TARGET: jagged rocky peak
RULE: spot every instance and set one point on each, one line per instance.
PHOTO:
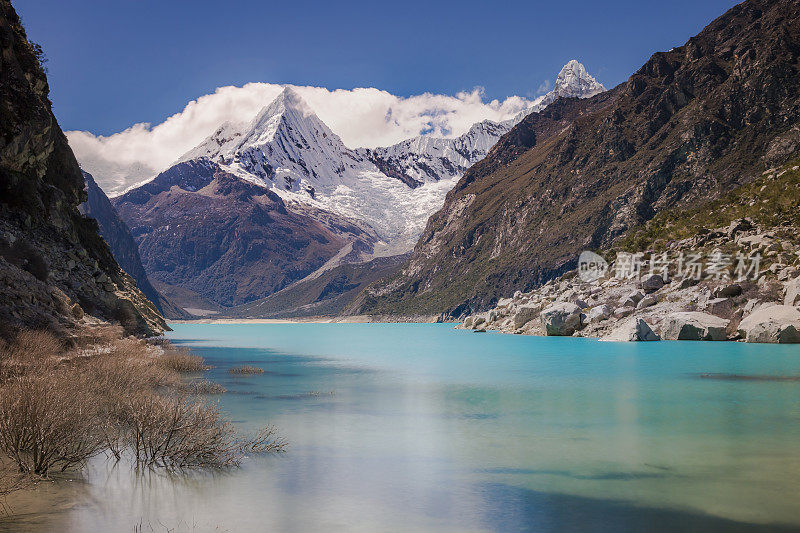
(575, 82)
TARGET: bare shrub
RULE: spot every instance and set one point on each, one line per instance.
(182, 361)
(181, 432)
(203, 386)
(246, 369)
(58, 408)
(48, 421)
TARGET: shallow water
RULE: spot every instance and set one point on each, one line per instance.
(415, 427)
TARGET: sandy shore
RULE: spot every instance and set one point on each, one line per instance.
(358, 319)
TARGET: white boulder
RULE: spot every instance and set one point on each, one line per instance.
(561, 319)
(525, 313)
(598, 313)
(694, 326)
(632, 330)
(792, 298)
(772, 324)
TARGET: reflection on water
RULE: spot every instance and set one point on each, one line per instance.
(420, 427)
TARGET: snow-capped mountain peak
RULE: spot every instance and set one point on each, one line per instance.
(575, 82)
(285, 146)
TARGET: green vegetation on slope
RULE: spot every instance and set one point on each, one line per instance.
(771, 201)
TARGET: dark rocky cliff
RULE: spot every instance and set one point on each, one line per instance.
(690, 125)
(53, 264)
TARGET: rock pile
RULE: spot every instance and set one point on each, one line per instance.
(763, 308)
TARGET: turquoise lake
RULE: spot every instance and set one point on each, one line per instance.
(420, 427)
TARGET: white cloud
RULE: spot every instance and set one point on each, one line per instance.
(544, 87)
(362, 117)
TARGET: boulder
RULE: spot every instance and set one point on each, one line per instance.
(648, 301)
(525, 313)
(632, 330)
(694, 326)
(77, 311)
(792, 298)
(561, 319)
(787, 274)
(722, 307)
(631, 300)
(468, 322)
(738, 226)
(622, 312)
(652, 283)
(580, 303)
(728, 291)
(598, 313)
(685, 283)
(772, 324)
(505, 302)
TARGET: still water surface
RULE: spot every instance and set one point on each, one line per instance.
(419, 427)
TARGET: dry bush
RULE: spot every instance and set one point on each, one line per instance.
(59, 408)
(246, 369)
(181, 432)
(48, 421)
(203, 386)
(182, 361)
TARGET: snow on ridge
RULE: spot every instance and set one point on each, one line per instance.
(394, 189)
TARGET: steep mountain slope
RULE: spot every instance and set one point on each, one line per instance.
(227, 239)
(116, 233)
(689, 125)
(53, 264)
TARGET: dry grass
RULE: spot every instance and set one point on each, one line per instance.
(182, 361)
(246, 369)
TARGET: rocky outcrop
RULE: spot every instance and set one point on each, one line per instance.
(632, 330)
(694, 326)
(711, 308)
(55, 270)
(772, 324)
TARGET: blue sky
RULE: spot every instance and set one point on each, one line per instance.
(115, 63)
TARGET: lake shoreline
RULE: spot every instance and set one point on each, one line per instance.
(355, 319)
